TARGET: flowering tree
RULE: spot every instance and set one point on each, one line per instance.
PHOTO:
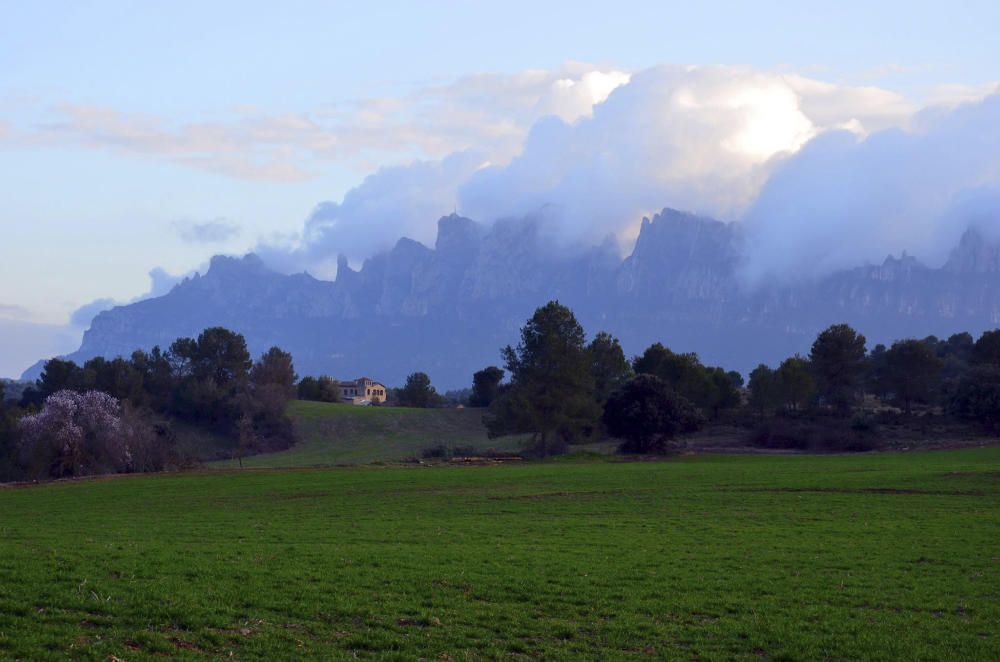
(77, 434)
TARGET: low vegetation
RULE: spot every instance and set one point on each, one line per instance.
(851, 557)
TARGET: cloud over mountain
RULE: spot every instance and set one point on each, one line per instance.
(843, 200)
(706, 139)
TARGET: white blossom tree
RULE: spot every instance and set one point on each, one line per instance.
(78, 434)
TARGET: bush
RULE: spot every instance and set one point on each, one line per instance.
(646, 414)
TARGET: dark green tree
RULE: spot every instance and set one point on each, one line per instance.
(275, 368)
(308, 389)
(608, 365)
(986, 351)
(977, 397)
(724, 393)
(736, 379)
(212, 374)
(551, 393)
(118, 378)
(57, 375)
(764, 391)
(158, 378)
(875, 375)
(794, 382)
(646, 414)
(684, 373)
(913, 372)
(418, 392)
(324, 389)
(8, 441)
(838, 360)
(218, 354)
(485, 386)
(328, 389)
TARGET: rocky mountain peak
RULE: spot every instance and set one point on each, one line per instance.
(457, 235)
(229, 266)
(975, 254)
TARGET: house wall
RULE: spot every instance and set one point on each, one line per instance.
(362, 389)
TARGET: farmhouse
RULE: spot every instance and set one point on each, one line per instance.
(362, 391)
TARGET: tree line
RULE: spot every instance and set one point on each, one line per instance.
(555, 388)
(563, 390)
(120, 415)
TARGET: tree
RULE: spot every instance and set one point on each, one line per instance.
(736, 379)
(218, 354)
(275, 368)
(211, 372)
(794, 382)
(684, 373)
(247, 438)
(58, 375)
(324, 389)
(418, 392)
(485, 386)
(912, 371)
(551, 393)
(978, 396)
(647, 414)
(328, 389)
(308, 389)
(876, 368)
(608, 365)
(986, 351)
(118, 378)
(724, 393)
(158, 378)
(838, 360)
(76, 434)
(8, 439)
(764, 392)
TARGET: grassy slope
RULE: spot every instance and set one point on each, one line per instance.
(347, 434)
(883, 556)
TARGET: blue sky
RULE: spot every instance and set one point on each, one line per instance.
(138, 135)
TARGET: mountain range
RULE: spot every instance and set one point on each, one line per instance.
(447, 309)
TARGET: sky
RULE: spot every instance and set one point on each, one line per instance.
(142, 137)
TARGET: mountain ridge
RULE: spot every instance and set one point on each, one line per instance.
(447, 309)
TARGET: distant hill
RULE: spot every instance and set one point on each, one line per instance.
(448, 309)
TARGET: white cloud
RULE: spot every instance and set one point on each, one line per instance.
(489, 112)
(705, 139)
(844, 200)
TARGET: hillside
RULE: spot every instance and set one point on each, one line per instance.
(344, 434)
(861, 557)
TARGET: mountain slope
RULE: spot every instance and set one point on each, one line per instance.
(447, 310)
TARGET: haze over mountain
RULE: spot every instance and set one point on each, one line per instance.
(447, 309)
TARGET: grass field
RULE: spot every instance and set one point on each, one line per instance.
(879, 556)
(345, 434)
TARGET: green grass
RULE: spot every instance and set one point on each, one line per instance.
(347, 434)
(879, 556)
